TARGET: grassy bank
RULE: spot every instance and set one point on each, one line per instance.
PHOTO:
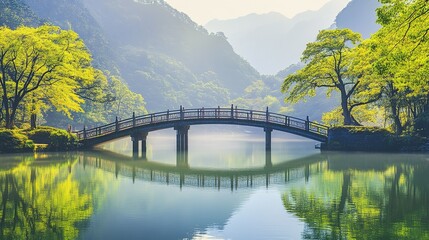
(39, 139)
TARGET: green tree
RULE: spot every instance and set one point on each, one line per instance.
(395, 59)
(44, 60)
(328, 60)
(124, 101)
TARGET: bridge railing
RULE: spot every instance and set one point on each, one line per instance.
(204, 113)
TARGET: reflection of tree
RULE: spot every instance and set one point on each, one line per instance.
(349, 204)
(45, 202)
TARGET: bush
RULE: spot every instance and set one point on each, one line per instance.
(13, 141)
(358, 138)
(407, 143)
(62, 140)
(361, 129)
(55, 139)
(40, 135)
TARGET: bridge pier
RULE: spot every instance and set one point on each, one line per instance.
(268, 138)
(136, 137)
(268, 147)
(182, 145)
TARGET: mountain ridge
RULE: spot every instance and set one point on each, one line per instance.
(275, 40)
(160, 52)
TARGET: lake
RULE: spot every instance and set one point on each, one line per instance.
(226, 189)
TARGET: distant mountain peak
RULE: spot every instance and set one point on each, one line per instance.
(359, 16)
(271, 41)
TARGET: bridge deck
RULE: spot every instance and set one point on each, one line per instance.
(234, 116)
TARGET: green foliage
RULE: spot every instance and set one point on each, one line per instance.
(384, 81)
(395, 60)
(208, 94)
(42, 138)
(57, 139)
(328, 60)
(13, 141)
(362, 130)
(41, 135)
(44, 64)
(62, 140)
(125, 101)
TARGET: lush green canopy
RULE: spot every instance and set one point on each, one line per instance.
(46, 62)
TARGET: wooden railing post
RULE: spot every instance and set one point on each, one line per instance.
(181, 112)
(307, 124)
(203, 111)
(168, 114)
(117, 124)
(236, 112)
(84, 132)
(218, 111)
(267, 115)
(251, 115)
(134, 119)
(232, 110)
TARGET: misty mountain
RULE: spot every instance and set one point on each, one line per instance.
(14, 13)
(157, 50)
(359, 16)
(272, 41)
(167, 57)
(73, 15)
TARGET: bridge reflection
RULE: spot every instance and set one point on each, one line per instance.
(183, 175)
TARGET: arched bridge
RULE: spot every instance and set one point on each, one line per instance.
(138, 126)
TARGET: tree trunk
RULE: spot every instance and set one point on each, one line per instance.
(346, 112)
(396, 119)
(33, 120)
(9, 123)
(7, 112)
(10, 118)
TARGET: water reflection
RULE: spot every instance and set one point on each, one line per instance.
(42, 198)
(182, 174)
(366, 196)
(101, 195)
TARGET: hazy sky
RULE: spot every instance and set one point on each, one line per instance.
(202, 11)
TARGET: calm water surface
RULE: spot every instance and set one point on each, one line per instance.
(226, 190)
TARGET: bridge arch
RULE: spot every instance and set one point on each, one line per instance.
(138, 126)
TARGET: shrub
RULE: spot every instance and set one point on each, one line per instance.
(13, 141)
(40, 135)
(49, 138)
(358, 138)
(62, 140)
(361, 129)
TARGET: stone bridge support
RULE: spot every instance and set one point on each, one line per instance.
(182, 145)
(268, 147)
(136, 137)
